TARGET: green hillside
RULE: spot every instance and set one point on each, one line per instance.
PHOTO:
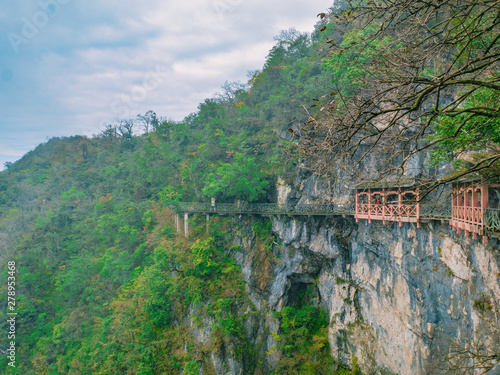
(105, 285)
(102, 281)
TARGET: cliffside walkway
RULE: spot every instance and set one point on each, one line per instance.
(471, 209)
(265, 209)
(384, 211)
(427, 211)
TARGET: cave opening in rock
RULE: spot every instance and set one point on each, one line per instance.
(300, 294)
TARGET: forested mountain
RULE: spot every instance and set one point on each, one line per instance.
(105, 285)
(82, 217)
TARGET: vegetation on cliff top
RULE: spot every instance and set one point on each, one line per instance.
(411, 76)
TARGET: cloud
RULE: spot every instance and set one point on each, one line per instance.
(93, 61)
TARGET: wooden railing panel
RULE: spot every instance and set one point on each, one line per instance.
(390, 210)
(469, 215)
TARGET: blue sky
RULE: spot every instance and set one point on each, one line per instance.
(68, 67)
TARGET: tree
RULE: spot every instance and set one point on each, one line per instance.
(126, 128)
(149, 121)
(165, 128)
(110, 132)
(241, 179)
(410, 76)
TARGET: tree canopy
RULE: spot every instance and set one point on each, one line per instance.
(104, 283)
(410, 76)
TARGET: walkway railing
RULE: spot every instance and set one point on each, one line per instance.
(469, 215)
(264, 208)
(492, 219)
(435, 211)
(464, 216)
(389, 210)
(428, 211)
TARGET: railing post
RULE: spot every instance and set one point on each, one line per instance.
(384, 204)
(468, 220)
(400, 206)
(418, 208)
(475, 209)
(484, 205)
(186, 224)
(369, 205)
(177, 223)
(356, 209)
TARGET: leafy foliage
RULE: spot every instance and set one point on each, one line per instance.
(464, 134)
(105, 285)
(412, 77)
(302, 340)
(241, 179)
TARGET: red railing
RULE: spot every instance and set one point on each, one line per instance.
(363, 209)
(387, 210)
(469, 215)
(469, 199)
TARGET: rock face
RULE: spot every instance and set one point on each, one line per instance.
(395, 296)
(406, 284)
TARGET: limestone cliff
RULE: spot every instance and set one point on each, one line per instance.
(398, 298)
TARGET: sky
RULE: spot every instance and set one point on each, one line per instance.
(69, 67)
